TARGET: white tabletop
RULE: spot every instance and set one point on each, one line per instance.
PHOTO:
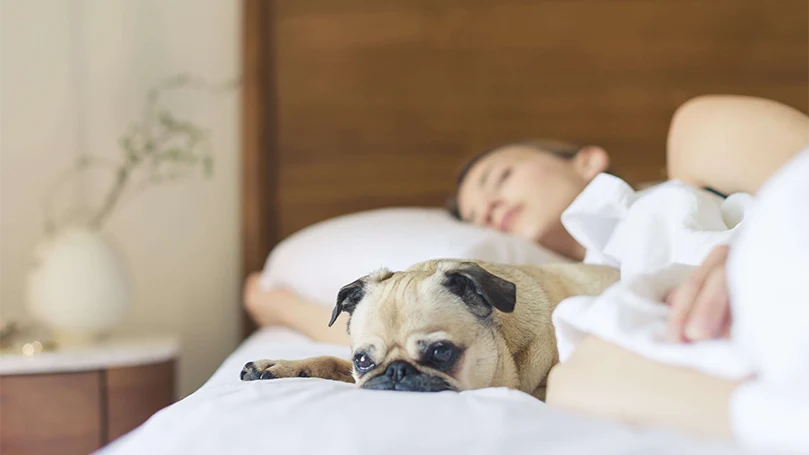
(113, 353)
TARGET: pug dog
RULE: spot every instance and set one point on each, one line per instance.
(449, 325)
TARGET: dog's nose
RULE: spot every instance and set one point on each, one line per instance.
(399, 369)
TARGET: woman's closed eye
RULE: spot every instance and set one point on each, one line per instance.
(503, 177)
(485, 213)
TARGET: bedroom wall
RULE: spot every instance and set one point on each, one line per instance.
(182, 240)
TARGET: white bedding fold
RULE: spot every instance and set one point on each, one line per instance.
(766, 276)
(656, 237)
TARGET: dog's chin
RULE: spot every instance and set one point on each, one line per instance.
(414, 383)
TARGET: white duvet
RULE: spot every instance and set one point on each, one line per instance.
(307, 415)
(657, 237)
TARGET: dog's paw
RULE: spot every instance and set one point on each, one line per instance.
(253, 371)
(273, 369)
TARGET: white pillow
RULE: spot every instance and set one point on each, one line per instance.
(318, 260)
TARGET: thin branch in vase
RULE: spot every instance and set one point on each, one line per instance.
(155, 179)
(83, 163)
(153, 143)
(77, 215)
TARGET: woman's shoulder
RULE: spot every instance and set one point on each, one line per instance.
(733, 143)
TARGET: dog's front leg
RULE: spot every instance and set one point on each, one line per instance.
(323, 367)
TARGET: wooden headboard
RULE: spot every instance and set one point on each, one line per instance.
(358, 104)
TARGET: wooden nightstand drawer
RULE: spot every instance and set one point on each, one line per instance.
(135, 393)
(67, 413)
(50, 414)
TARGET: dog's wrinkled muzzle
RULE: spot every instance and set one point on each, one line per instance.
(402, 376)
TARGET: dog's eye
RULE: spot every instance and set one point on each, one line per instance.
(362, 362)
(441, 353)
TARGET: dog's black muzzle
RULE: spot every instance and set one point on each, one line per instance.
(402, 376)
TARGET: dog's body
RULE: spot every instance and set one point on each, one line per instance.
(449, 325)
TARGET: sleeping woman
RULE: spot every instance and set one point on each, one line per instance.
(725, 144)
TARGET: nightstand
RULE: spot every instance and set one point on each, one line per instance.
(77, 399)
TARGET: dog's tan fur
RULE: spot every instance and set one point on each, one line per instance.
(316, 367)
(402, 312)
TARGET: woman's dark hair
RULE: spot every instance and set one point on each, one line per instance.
(555, 147)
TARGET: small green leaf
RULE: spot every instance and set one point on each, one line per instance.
(165, 118)
(130, 153)
(125, 142)
(207, 163)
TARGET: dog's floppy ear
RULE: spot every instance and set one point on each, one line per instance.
(348, 298)
(351, 294)
(480, 290)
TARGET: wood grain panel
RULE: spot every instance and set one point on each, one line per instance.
(379, 102)
(34, 419)
(135, 393)
(259, 227)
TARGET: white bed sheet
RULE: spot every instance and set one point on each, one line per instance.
(307, 415)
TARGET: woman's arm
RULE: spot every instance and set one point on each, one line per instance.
(285, 308)
(733, 143)
(607, 381)
(730, 144)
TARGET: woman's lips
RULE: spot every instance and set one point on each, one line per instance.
(509, 218)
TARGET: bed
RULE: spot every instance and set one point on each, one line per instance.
(354, 105)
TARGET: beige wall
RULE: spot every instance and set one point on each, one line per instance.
(181, 241)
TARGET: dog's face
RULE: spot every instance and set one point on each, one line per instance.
(426, 331)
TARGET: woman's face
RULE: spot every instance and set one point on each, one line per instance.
(523, 191)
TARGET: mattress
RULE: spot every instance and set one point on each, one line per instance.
(309, 415)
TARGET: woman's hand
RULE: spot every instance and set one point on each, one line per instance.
(700, 307)
(262, 304)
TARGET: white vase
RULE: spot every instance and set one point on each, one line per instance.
(78, 285)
